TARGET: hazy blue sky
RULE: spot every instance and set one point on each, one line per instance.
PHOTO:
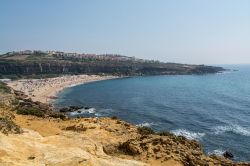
(186, 31)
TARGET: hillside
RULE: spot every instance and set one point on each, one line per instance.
(26, 63)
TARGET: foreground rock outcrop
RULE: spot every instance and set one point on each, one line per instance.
(64, 148)
(97, 141)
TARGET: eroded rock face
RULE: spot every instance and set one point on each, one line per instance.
(164, 148)
(57, 66)
(31, 148)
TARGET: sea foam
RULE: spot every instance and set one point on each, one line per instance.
(145, 124)
(217, 152)
(188, 134)
(231, 128)
(83, 111)
(90, 110)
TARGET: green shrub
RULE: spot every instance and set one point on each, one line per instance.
(58, 115)
(145, 130)
(8, 126)
(165, 133)
(15, 102)
(4, 88)
(30, 111)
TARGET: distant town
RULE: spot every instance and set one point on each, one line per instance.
(60, 54)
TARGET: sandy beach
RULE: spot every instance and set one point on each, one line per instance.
(45, 90)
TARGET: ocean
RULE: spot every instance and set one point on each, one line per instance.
(213, 109)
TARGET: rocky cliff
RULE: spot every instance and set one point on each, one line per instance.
(50, 64)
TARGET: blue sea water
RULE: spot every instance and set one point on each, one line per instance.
(213, 109)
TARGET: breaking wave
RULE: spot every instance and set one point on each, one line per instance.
(90, 110)
(145, 124)
(83, 111)
(232, 128)
(188, 134)
(217, 152)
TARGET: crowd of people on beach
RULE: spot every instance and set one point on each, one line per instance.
(36, 84)
(48, 87)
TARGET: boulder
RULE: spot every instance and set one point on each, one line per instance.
(75, 107)
(64, 109)
(228, 155)
(70, 109)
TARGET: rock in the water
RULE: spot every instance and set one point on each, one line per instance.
(228, 155)
(65, 109)
(75, 107)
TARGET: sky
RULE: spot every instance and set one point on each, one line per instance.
(182, 31)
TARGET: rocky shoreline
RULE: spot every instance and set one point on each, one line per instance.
(88, 141)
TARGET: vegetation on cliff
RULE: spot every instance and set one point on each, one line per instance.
(16, 65)
(4, 88)
(7, 101)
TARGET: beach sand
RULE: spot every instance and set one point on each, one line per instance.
(45, 90)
